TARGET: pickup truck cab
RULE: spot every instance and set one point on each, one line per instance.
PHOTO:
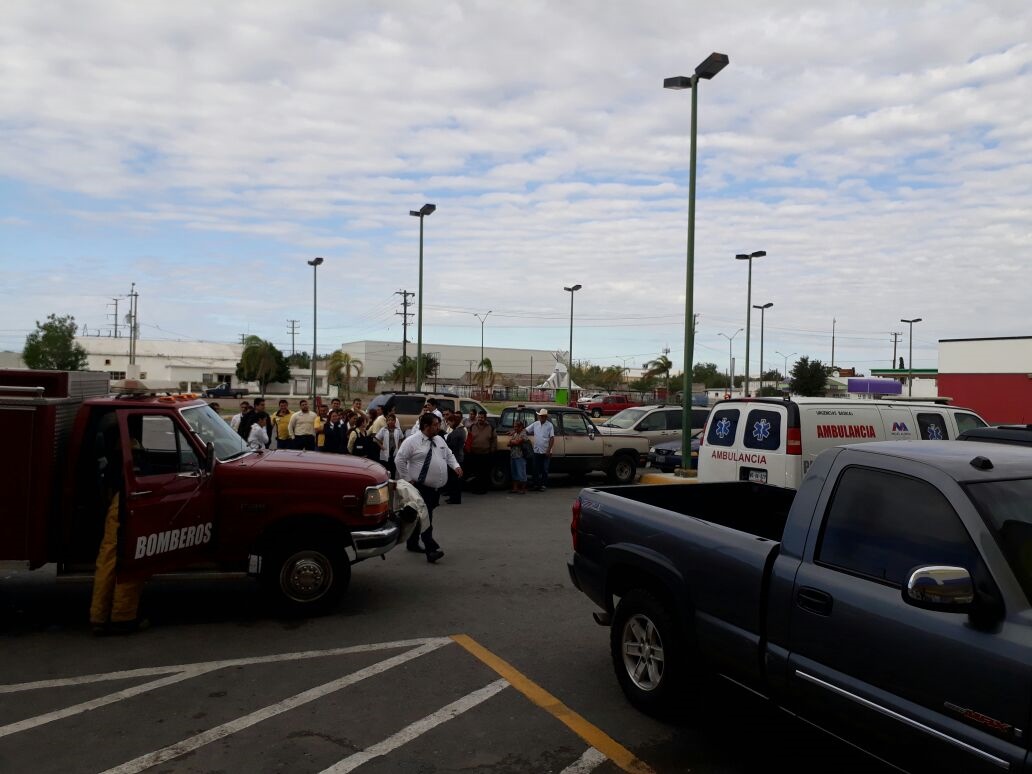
(225, 390)
(579, 446)
(196, 498)
(608, 405)
(888, 601)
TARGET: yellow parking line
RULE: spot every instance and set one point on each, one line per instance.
(591, 734)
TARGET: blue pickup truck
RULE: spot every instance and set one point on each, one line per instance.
(886, 601)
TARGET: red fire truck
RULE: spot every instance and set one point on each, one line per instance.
(197, 498)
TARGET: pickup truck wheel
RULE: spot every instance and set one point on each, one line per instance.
(622, 470)
(307, 580)
(596, 413)
(499, 475)
(647, 652)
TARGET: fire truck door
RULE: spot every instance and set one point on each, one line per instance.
(168, 513)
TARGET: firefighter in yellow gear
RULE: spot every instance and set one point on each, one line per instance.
(116, 601)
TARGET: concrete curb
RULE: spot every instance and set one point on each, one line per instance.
(665, 478)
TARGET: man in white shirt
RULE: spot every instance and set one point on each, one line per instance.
(389, 438)
(302, 428)
(423, 460)
(543, 433)
(234, 422)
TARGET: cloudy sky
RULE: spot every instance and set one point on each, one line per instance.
(881, 153)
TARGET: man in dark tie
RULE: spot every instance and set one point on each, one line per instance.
(424, 460)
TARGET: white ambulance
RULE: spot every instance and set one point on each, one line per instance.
(774, 440)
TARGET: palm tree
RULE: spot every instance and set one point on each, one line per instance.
(661, 365)
(485, 375)
(339, 370)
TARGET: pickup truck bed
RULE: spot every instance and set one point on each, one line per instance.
(888, 600)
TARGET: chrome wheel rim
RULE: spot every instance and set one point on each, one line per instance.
(624, 471)
(642, 649)
(306, 576)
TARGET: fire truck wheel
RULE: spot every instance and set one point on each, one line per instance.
(306, 579)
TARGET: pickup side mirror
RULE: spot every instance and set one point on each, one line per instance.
(937, 587)
(209, 457)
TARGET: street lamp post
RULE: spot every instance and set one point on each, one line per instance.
(569, 372)
(910, 356)
(784, 373)
(315, 263)
(763, 309)
(482, 321)
(421, 213)
(730, 361)
(709, 67)
(748, 313)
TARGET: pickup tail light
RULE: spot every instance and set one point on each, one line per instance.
(794, 441)
(377, 503)
(575, 521)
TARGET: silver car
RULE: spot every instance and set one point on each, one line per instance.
(657, 423)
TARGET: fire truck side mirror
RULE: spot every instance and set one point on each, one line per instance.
(209, 457)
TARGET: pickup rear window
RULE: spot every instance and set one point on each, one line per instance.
(881, 525)
(723, 427)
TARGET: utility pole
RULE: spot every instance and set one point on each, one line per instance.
(895, 340)
(115, 315)
(243, 338)
(134, 324)
(293, 333)
(405, 315)
(833, 321)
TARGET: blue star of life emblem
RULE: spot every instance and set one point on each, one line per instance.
(934, 433)
(761, 430)
(723, 428)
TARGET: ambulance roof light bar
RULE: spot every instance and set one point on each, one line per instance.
(137, 387)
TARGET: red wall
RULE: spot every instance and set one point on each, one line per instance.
(997, 398)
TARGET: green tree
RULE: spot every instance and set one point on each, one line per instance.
(52, 346)
(809, 377)
(611, 377)
(485, 375)
(646, 383)
(262, 362)
(709, 375)
(404, 368)
(299, 360)
(660, 367)
(340, 368)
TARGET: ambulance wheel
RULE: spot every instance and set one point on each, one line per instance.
(307, 577)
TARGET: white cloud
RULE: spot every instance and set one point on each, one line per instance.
(877, 154)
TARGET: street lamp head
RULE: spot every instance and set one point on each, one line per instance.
(767, 305)
(677, 83)
(711, 65)
(575, 287)
(748, 256)
(316, 262)
(915, 320)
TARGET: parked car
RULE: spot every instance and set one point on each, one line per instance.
(666, 456)
(579, 446)
(608, 405)
(225, 390)
(409, 405)
(886, 601)
(590, 397)
(657, 423)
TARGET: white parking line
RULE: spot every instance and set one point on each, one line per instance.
(209, 665)
(86, 706)
(420, 727)
(239, 724)
(589, 761)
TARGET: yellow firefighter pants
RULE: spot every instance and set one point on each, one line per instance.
(113, 600)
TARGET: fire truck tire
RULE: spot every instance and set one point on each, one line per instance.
(307, 577)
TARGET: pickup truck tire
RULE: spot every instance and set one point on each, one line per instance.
(305, 579)
(648, 652)
(622, 469)
(596, 413)
(500, 475)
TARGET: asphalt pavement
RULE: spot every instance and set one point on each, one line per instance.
(488, 661)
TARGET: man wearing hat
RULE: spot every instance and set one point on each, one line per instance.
(543, 433)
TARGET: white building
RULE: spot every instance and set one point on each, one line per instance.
(194, 362)
(379, 357)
